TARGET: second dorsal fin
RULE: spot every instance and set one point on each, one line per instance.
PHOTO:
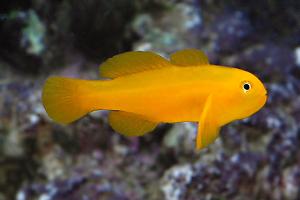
(132, 62)
(188, 57)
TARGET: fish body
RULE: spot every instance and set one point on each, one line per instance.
(152, 90)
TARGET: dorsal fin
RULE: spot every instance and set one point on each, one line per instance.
(188, 57)
(132, 62)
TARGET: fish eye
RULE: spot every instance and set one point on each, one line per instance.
(246, 86)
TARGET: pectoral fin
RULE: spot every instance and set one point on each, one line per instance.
(208, 129)
(130, 124)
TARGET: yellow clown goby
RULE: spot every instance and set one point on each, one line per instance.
(144, 89)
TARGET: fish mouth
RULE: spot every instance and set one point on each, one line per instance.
(265, 98)
(262, 99)
(266, 93)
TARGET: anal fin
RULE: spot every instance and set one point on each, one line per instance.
(130, 124)
(208, 128)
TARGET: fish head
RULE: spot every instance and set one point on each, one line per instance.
(250, 95)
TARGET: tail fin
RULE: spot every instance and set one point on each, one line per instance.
(68, 99)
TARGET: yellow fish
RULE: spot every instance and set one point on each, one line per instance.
(144, 89)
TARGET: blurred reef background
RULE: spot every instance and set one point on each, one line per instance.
(256, 158)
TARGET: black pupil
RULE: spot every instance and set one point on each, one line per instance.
(246, 86)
